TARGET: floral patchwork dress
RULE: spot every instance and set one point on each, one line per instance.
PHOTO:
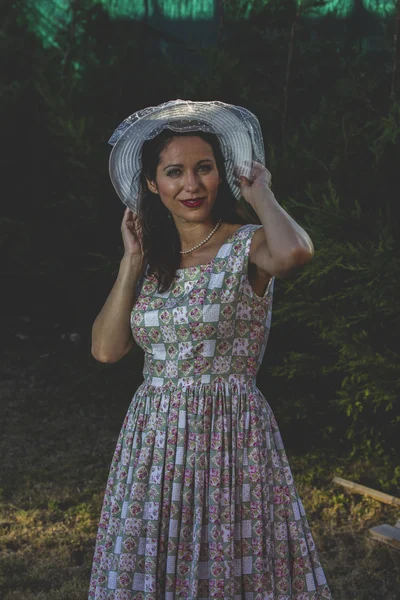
(200, 502)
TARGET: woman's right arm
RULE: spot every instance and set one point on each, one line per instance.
(111, 331)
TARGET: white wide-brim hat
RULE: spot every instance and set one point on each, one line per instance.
(236, 128)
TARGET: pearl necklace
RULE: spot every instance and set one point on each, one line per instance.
(204, 241)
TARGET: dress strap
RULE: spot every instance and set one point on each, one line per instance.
(249, 238)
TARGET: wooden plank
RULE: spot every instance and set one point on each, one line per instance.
(386, 534)
(366, 491)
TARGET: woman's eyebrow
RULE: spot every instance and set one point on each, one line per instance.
(180, 165)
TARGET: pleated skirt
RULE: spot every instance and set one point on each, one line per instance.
(200, 503)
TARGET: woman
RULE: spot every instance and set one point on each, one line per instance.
(200, 501)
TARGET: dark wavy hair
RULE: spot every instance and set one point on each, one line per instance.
(161, 242)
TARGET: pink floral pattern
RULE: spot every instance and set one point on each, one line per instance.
(200, 502)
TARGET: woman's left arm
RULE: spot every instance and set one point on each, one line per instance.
(281, 246)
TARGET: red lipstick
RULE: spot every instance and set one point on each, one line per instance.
(193, 203)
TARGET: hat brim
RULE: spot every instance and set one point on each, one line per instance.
(236, 128)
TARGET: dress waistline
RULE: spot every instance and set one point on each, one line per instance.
(232, 383)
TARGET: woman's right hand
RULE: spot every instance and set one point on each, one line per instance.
(131, 235)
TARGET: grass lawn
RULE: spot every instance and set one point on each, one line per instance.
(60, 415)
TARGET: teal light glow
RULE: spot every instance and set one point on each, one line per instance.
(335, 8)
(188, 9)
(138, 9)
(50, 18)
(47, 18)
(169, 9)
(381, 8)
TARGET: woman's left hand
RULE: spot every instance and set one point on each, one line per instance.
(255, 189)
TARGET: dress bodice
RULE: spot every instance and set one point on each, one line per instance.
(209, 326)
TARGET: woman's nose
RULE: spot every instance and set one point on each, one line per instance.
(191, 181)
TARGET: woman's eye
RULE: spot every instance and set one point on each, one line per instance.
(177, 172)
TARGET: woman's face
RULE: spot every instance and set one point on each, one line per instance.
(187, 171)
